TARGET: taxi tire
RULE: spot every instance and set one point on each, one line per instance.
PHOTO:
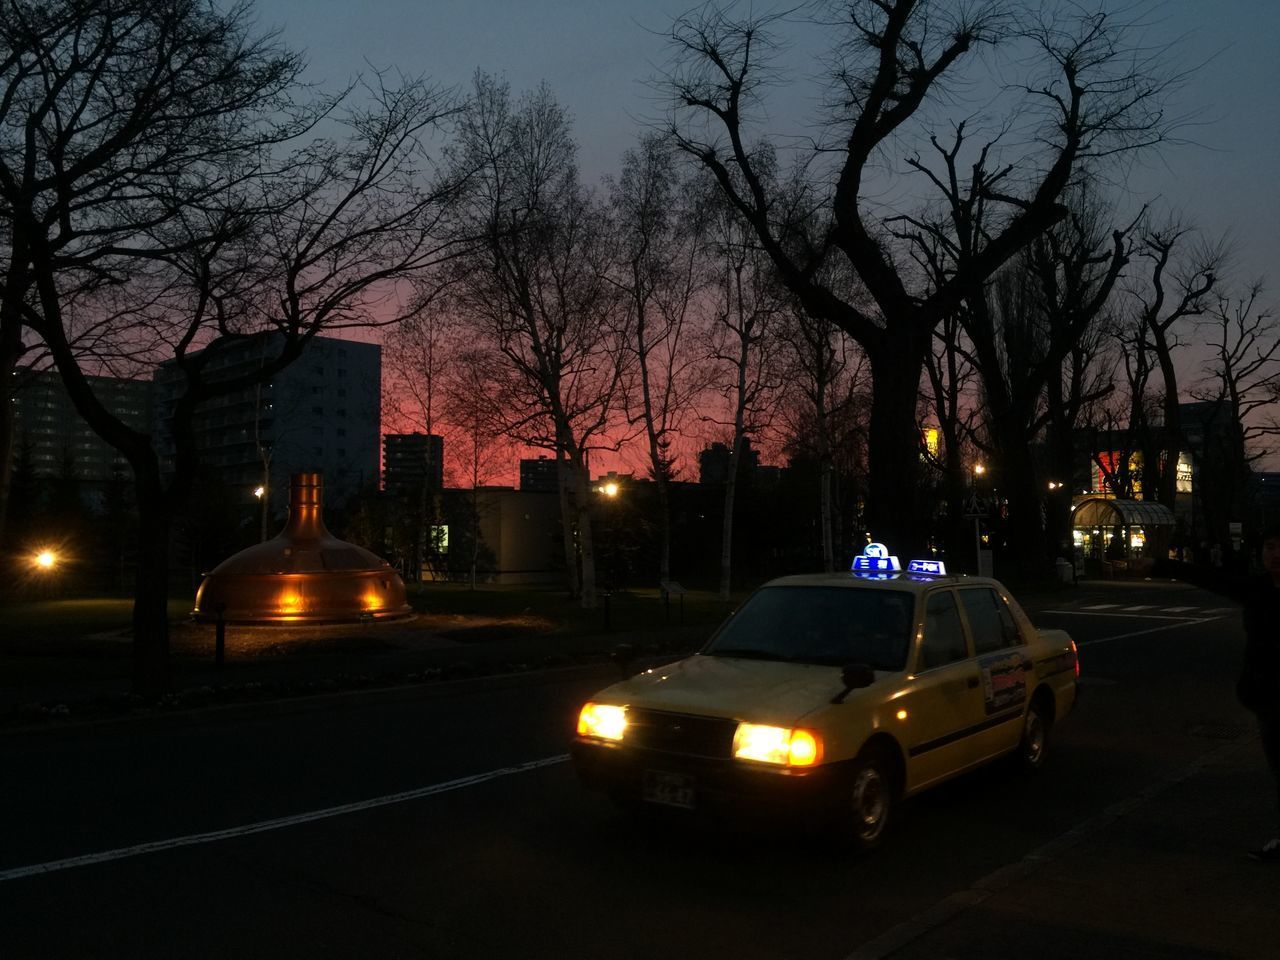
(1033, 746)
(869, 796)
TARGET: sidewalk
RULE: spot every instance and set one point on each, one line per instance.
(1163, 874)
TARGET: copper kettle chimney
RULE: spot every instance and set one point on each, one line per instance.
(304, 575)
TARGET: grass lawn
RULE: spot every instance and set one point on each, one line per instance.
(631, 610)
(69, 618)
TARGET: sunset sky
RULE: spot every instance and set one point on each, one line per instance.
(598, 54)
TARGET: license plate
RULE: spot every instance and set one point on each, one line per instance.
(669, 789)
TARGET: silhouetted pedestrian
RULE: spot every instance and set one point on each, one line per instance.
(1259, 685)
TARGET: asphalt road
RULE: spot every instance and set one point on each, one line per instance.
(496, 852)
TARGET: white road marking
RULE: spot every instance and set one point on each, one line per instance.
(1179, 609)
(1137, 616)
(1102, 606)
(1142, 606)
(262, 826)
(1139, 633)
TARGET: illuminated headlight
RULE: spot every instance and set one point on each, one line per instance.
(603, 721)
(780, 745)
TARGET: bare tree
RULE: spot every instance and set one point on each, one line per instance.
(1094, 90)
(418, 354)
(537, 289)
(467, 387)
(747, 308)
(824, 370)
(1174, 288)
(1242, 383)
(949, 402)
(154, 215)
(111, 112)
(659, 219)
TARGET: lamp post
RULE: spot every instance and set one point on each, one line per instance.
(610, 491)
(260, 492)
(978, 470)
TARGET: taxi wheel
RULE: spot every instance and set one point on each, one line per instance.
(870, 801)
(1035, 737)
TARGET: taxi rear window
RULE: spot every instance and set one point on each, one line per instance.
(822, 625)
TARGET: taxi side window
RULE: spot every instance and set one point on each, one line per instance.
(990, 620)
(943, 634)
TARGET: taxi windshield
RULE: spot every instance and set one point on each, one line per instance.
(822, 625)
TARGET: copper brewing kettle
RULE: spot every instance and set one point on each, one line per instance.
(304, 575)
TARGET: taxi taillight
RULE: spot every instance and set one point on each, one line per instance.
(1075, 656)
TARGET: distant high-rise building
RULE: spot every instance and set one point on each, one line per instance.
(539, 475)
(52, 439)
(412, 460)
(322, 412)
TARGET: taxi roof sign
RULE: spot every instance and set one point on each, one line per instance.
(933, 568)
(875, 558)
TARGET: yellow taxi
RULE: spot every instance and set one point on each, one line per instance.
(840, 692)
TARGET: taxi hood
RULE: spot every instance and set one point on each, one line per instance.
(760, 691)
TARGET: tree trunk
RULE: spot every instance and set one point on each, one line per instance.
(475, 530)
(824, 493)
(1172, 446)
(895, 515)
(587, 546)
(563, 481)
(664, 505)
(726, 533)
(11, 350)
(151, 676)
(824, 480)
(1026, 524)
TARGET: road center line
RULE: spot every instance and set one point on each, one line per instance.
(263, 826)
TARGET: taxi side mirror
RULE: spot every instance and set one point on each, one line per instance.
(854, 676)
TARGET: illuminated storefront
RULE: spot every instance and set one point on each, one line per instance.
(1104, 528)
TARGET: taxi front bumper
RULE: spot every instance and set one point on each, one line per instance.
(716, 784)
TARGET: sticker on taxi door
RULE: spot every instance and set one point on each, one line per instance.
(1003, 681)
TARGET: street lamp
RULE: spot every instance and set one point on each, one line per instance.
(610, 490)
(260, 491)
(978, 470)
(45, 560)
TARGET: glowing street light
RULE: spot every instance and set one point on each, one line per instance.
(610, 489)
(45, 560)
(259, 490)
(979, 469)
